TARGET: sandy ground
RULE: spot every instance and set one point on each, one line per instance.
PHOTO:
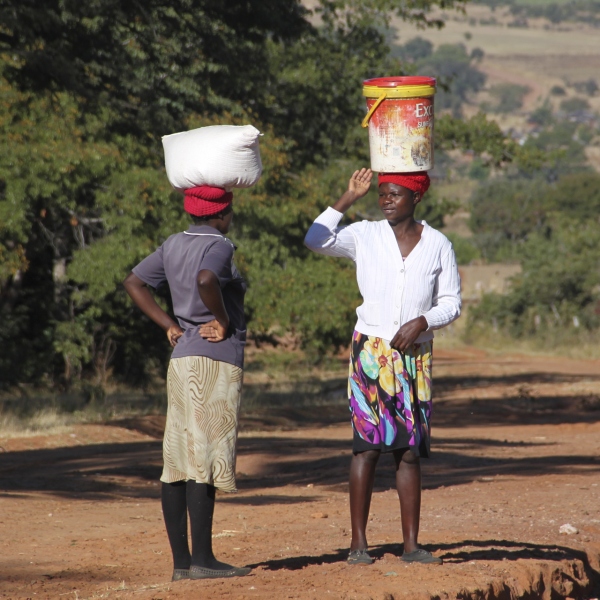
(516, 443)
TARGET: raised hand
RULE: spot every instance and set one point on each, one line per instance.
(360, 182)
(358, 186)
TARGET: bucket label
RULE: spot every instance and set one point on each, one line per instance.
(401, 135)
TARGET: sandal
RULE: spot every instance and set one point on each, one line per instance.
(359, 557)
(421, 556)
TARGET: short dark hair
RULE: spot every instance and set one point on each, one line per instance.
(199, 220)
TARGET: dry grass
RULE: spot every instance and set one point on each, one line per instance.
(47, 421)
(539, 56)
(541, 38)
(582, 347)
(42, 413)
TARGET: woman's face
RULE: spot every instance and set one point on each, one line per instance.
(397, 202)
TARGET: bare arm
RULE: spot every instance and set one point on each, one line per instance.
(144, 300)
(210, 293)
(324, 235)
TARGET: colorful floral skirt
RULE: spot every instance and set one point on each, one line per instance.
(390, 395)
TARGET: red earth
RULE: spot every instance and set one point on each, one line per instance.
(516, 456)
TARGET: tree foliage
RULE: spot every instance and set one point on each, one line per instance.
(557, 291)
(457, 74)
(556, 230)
(86, 91)
(151, 63)
(508, 96)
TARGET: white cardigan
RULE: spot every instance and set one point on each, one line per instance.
(394, 290)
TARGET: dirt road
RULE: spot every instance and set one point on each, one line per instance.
(516, 443)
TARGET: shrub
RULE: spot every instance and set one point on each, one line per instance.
(465, 249)
(576, 104)
(508, 96)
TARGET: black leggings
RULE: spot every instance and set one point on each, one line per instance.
(197, 499)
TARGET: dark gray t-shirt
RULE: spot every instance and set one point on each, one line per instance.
(178, 262)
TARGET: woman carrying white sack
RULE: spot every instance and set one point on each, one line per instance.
(204, 379)
(408, 278)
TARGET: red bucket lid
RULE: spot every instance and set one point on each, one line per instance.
(392, 82)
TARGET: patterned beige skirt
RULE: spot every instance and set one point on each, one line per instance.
(202, 418)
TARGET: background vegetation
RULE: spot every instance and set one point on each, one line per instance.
(87, 91)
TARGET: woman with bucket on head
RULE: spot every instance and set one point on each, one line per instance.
(408, 278)
(204, 379)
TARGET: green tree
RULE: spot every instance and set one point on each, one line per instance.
(508, 96)
(563, 152)
(577, 195)
(556, 295)
(575, 104)
(504, 213)
(151, 64)
(542, 115)
(85, 93)
(416, 49)
(457, 75)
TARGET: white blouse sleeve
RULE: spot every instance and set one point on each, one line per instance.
(446, 295)
(325, 237)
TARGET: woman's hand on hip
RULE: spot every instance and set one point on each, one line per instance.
(173, 334)
(408, 333)
(213, 331)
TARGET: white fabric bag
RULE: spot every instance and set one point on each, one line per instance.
(224, 156)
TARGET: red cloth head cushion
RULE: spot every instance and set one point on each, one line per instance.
(417, 182)
(205, 200)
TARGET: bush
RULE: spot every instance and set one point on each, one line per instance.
(504, 213)
(479, 170)
(542, 115)
(557, 292)
(414, 50)
(457, 76)
(589, 87)
(577, 104)
(508, 96)
(577, 196)
(465, 249)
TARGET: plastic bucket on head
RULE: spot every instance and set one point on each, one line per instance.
(400, 121)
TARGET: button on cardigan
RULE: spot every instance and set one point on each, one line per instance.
(394, 290)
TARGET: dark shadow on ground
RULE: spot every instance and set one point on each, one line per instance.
(262, 499)
(518, 410)
(105, 471)
(468, 550)
(92, 472)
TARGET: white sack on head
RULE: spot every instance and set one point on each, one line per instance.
(224, 156)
